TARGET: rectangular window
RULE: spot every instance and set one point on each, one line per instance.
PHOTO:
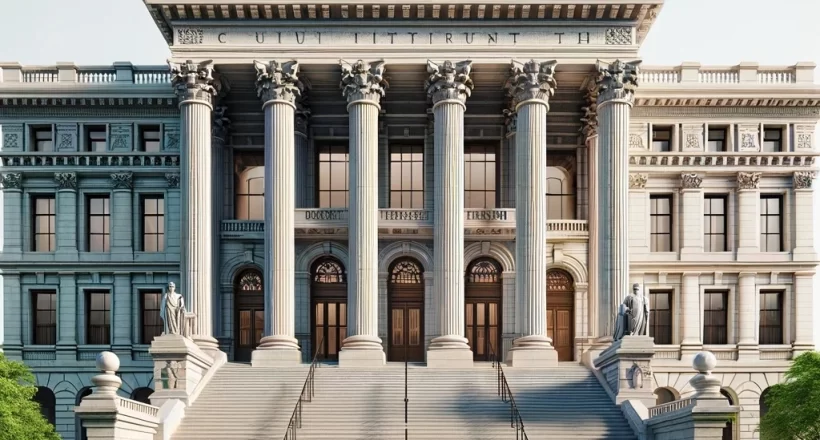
(44, 217)
(772, 140)
(95, 139)
(660, 316)
(715, 317)
(43, 141)
(149, 139)
(333, 176)
(153, 224)
(771, 317)
(45, 317)
(98, 317)
(771, 223)
(660, 223)
(717, 140)
(480, 167)
(714, 223)
(661, 139)
(407, 176)
(249, 185)
(149, 311)
(99, 224)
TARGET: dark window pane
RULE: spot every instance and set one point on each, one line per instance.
(43, 224)
(98, 315)
(45, 317)
(480, 176)
(715, 318)
(660, 319)
(332, 167)
(660, 223)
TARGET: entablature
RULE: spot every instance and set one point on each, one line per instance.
(722, 163)
(35, 162)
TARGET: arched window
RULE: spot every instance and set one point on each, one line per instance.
(728, 430)
(560, 199)
(559, 281)
(764, 407)
(142, 394)
(406, 272)
(249, 172)
(250, 281)
(329, 271)
(80, 429)
(664, 395)
(483, 270)
(48, 403)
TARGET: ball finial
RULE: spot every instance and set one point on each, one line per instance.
(108, 362)
(704, 362)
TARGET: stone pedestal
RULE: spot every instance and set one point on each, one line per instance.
(627, 368)
(181, 369)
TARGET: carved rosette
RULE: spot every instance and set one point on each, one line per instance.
(748, 180)
(638, 180)
(123, 180)
(172, 179)
(802, 179)
(66, 180)
(193, 81)
(277, 81)
(220, 124)
(363, 81)
(617, 81)
(690, 181)
(531, 81)
(449, 81)
(590, 118)
(12, 181)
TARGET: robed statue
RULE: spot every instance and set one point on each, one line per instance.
(172, 311)
(633, 315)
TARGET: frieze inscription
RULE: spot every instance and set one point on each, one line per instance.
(487, 215)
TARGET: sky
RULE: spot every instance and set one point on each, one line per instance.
(712, 32)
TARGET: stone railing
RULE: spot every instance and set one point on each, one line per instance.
(671, 407)
(403, 215)
(775, 353)
(743, 73)
(567, 228)
(70, 73)
(242, 226)
(89, 159)
(189, 324)
(678, 159)
(133, 405)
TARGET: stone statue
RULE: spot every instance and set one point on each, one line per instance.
(172, 311)
(633, 315)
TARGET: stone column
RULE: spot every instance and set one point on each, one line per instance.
(193, 85)
(66, 227)
(747, 314)
(449, 86)
(804, 312)
(278, 85)
(692, 220)
(122, 216)
(691, 342)
(301, 119)
(363, 85)
(748, 200)
(804, 249)
(531, 84)
(598, 297)
(12, 206)
(616, 91)
(219, 133)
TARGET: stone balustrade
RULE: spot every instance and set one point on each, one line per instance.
(671, 407)
(743, 73)
(88, 160)
(121, 72)
(138, 407)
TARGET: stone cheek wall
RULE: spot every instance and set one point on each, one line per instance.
(610, 373)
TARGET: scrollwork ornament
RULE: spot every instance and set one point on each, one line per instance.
(277, 81)
(66, 180)
(172, 179)
(363, 81)
(803, 179)
(618, 81)
(690, 181)
(12, 181)
(220, 125)
(638, 180)
(123, 180)
(748, 180)
(449, 80)
(531, 80)
(590, 118)
(193, 81)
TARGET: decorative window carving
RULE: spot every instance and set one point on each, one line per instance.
(483, 270)
(329, 271)
(250, 281)
(406, 272)
(559, 281)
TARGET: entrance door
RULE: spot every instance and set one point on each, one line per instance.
(406, 318)
(482, 314)
(250, 314)
(560, 313)
(329, 304)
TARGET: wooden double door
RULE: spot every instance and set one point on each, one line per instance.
(406, 325)
(250, 314)
(560, 313)
(329, 319)
(482, 319)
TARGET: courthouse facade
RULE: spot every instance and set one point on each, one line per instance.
(445, 183)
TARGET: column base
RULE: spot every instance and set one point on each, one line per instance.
(534, 351)
(208, 344)
(450, 351)
(748, 352)
(801, 347)
(688, 350)
(351, 358)
(277, 351)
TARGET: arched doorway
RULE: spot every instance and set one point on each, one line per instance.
(664, 395)
(405, 287)
(80, 429)
(482, 314)
(249, 303)
(728, 430)
(48, 403)
(561, 313)
(142, 394)
(328, 293)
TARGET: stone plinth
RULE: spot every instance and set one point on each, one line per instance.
(627, 368)
(181, 369)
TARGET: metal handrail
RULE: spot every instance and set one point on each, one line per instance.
(308, 391)
(507, 397)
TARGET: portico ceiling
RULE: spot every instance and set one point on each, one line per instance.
(641, 13)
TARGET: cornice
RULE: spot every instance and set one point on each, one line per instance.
(705, 96)
(643, 111)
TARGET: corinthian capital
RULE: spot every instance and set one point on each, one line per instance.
(449, 81)
(590, 118)
(531, 81)
(617, 80)
(803, 179)
(278, 81)
(193, 81)
(748, 180)
(363, 81)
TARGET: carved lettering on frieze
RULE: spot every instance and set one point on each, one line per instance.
(12, 180)
(172, 179)
(638, 180)
(748, 180)
(803, 179)
(66, 180)
(690, 181)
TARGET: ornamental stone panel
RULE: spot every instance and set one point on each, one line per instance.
(804, 137)
(66, 138)
(692, 137)
(13, 137)
(639, 136)
(170, 140)
(748, 137)
(120, 137)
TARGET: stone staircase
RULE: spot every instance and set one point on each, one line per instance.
(565, 402)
